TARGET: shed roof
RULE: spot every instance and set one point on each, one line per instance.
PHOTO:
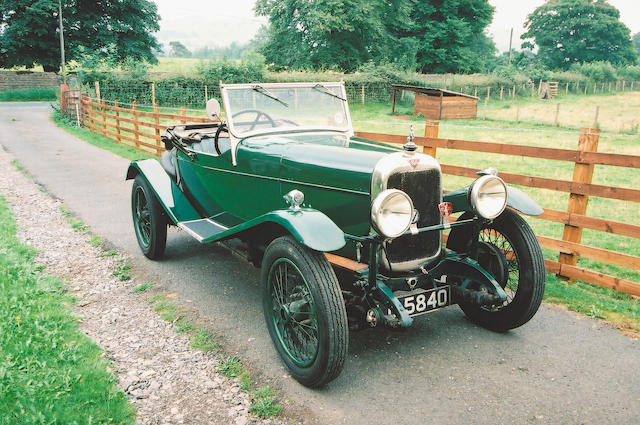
(430, 91)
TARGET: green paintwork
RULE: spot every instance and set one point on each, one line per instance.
(310, 227)
(171, 198)
(516, 199)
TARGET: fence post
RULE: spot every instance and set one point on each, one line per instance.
(363, 94)
(488, 94)
(609, 86)
(514, 92)
(104, 118)
(533, 89)
(624, 83)
(153, 94)
(97, 86)
(586, 86)
(475, 91)
(156, 121)
(595, 120)
(566, 89)
(501, 91)
(136, 127)
(555, 121)
(431, 131)
(206, 94)
(116, 106)
(582, 174)
(183, 114)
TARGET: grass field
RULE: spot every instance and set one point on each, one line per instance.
(50, 372)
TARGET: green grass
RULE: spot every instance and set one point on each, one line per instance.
(264, 403)
(27, 95)
(128, 152)
(50, 372)
(143, 287)
(95, 241)
(246, 382)
(183, 325)
(122, 271)
(202, 340)
(109, 253)
(230, 367)
(76, 224)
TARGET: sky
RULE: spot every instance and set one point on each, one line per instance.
(198, 23)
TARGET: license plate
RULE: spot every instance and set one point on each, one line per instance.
(422, 301)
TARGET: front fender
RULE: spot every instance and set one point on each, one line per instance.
(310, 227)
(516, 199)
(171, 198)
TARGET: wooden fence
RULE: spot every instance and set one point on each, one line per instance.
(108, 121)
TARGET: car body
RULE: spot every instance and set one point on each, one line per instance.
(348, 232)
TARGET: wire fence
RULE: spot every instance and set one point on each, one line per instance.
(194, 94)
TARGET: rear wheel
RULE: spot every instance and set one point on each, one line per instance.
(304, 311)
(149, 219)
(509, 251)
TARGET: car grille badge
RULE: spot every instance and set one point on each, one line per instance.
(414, 162)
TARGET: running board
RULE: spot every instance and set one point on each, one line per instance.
(202, 229)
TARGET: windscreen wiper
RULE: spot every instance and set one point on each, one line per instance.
(323, 89)
(267, 93)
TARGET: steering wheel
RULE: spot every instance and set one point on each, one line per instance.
(257, 119)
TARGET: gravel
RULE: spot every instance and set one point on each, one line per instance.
(168, 381)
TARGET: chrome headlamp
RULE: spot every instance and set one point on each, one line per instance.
(488, 196)
(392, 213)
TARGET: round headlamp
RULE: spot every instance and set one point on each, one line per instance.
(489, 196)
(391, 213)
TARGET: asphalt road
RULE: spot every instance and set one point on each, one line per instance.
(560, 368)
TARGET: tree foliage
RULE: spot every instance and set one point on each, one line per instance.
(636, 42)
(424, 35)
(117, 30)
(178, 50)
(578, 31)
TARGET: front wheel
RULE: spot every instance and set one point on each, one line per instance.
(305, 311)
(509, 251)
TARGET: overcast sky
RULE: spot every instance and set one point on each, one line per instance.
(198, 23)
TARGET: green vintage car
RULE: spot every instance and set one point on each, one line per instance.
(348, 232)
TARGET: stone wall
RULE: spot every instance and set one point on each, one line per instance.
(20, 80)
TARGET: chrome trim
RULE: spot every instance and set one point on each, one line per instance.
(377, 205)
(181, 224)
(399, 162)
(475, 188)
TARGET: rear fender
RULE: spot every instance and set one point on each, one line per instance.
(171, 198)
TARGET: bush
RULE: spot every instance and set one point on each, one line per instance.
(596, 71)
(28, 95)
(630, 72)
(230, 71)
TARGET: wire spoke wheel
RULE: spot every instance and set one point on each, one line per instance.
(149, 219)
(293, 312)
(509, 251)
(304, 311)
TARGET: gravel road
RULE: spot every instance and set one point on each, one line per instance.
(560, 368)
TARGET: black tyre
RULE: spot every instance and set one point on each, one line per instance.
(149, 219)
(305, 311)
(509, 251)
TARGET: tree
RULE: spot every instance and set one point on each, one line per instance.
(178, 50)
(449, 33)
(29, 33)
(425, 35)
(321, 34)
(636, 42)
(578, 31)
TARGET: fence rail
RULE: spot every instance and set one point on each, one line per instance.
(108, 120)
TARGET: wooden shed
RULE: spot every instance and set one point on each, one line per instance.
(438, 104)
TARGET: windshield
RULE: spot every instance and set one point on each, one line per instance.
(263, 108)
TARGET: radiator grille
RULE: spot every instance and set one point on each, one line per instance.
(424, 188)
